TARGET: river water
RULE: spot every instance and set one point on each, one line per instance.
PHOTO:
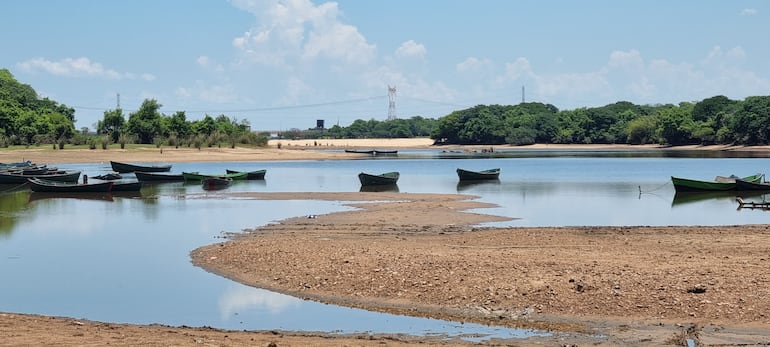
(126, 259)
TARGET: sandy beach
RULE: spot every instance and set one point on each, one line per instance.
(420, 254)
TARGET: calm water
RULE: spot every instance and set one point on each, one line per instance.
(127, 259)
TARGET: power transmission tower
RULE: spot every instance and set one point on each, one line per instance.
(392, 103)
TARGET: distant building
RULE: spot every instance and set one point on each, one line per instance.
(319, 124)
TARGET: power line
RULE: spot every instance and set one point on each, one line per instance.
(259, 109)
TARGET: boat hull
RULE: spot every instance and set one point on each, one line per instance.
(158, 177)
(467, 175)
(127, 186)
(38, 185)
(387, 178)
(743, 185)
(66, 176)
(126, 167)
(194, 176)
(724, 184)
(250, 175)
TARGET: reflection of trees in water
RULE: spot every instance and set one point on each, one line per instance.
(11, 202)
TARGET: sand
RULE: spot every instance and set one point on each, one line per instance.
(419, 254)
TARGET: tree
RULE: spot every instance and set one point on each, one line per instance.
(145, 122)
(113, 124)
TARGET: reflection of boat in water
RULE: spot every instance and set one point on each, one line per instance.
(380, 188)
(468, 185)
(682, 198)
(759, 205)
(37, 196)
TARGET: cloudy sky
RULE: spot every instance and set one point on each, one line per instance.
(285, 64)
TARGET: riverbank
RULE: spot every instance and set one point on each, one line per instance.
(326, 149)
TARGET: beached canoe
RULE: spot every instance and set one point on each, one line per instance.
(250, 175)
(41, 185)
(468, 175)
(126, 167)
(720, 183)
(377, 180)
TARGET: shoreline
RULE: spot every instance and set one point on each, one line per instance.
(325, 149)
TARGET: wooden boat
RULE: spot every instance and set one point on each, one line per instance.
(250, 175)
(59, 176)
(125, 167)
(41, 185)
(211, 183)
(158, 177)
(360, 151)
(718, 184)
(195, 176)
(378, 180)
(468, 175)
(743, 185)
(108, 176)
(131, 186)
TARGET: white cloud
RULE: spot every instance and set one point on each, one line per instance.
(473, 64)
(748, 12)
(203, 61)
(411, 49)
(628, 76)
(79, 67)
(219, 94)
(298, 30)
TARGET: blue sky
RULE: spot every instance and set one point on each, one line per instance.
(284, 64)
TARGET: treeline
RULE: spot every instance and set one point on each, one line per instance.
(148, 126)
(416, 126)
(27, 119)
(716, 120)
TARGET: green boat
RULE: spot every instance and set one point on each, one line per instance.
(250, 175)
(195, 176)
(378, 180)
(468, 175)
(742, 185)
(720, 183)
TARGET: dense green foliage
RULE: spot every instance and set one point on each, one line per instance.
(27, 119)
(716, 120)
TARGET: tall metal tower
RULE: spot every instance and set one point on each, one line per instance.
(392, 103)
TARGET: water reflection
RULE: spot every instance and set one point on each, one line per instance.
(128, 260)
(683, 198)
(380, 188)
(484, 185)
